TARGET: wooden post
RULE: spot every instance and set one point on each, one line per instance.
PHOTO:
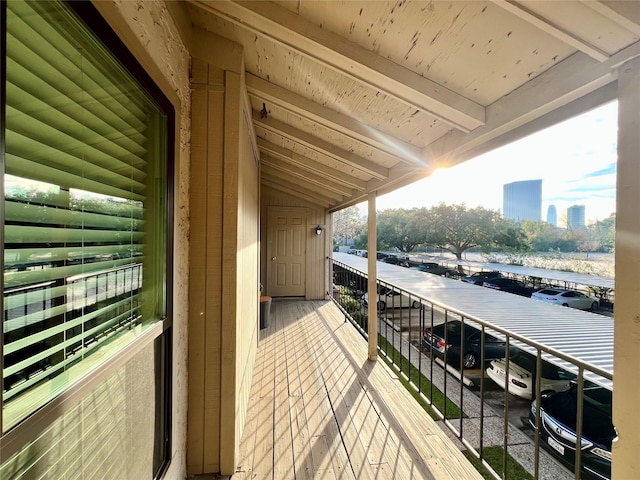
(627, 318)
(372, 310)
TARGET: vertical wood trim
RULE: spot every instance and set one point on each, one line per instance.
(196, 387)
(228, 365)
(213, 264)
(627, 331)
(372, 247)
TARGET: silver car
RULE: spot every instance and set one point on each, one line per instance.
(566, 298)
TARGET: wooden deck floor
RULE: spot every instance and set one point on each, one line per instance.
(320, 409)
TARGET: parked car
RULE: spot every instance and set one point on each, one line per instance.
(558, 414)
(433, 339)
(522, 375)
(393, 260)
(479, 278)
(509, 285)
(390, 298)
(567, 298)
(436, 269)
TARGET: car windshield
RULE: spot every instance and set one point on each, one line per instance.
(549, 292)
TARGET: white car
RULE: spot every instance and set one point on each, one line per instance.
(522, 368)
(389, 298)
(566, 298)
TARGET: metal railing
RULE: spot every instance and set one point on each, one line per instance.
(460, 394)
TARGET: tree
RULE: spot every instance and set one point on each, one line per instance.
(400, 228)
(347, 225)
(457, 228)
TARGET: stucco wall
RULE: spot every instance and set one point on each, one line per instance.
(150, 32)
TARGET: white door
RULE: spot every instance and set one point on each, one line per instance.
(286, 252)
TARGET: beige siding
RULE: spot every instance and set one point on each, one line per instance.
(224, 267)
(317, 247)
(205, 277)
(247, 300)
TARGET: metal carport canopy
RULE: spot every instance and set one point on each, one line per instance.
(585, 336)
(562, 276)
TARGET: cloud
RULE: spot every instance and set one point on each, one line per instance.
(610, 169)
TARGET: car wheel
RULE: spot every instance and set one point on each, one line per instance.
(415, 304)
(565, 304)
(381, 305)
(447, 274)
(469, 360)
(594, 306)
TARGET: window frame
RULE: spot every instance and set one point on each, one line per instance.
(160, 333)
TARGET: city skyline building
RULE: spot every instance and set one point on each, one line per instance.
(522, 200)
(576, 217)
(552, 215)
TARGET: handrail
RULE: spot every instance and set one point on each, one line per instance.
(418, 362)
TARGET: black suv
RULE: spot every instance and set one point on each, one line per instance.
(558, 428)
(436, 269)
(479, 278)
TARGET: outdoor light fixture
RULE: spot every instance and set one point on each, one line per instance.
(318, 230)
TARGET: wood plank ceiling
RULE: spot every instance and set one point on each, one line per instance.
(352, 97)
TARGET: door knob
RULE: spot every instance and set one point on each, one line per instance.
(273, 259)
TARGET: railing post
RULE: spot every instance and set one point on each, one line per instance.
(372, 310)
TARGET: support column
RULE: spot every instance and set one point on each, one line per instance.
(627, 303)
(372, 248)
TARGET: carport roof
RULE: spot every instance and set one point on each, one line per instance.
(353, 97)
(584, 336)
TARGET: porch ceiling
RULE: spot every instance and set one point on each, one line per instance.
(351, 97)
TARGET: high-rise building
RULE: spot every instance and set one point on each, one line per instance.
(522, 200)
(575, 217)
(552, 215)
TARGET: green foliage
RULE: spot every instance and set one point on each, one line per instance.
(401, 229)
(398, 362)
(494, 456)
(457, 228)
(598, 237)
(347, 226)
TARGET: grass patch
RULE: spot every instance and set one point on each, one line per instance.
(438, 400)
(493, 456)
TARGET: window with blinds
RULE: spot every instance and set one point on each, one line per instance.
(85, 194)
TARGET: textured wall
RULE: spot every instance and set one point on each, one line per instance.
(149, 31)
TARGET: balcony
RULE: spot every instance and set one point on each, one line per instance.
(320, 409)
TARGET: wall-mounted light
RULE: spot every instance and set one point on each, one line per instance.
(318, 230)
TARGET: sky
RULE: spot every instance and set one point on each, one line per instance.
(575, 159)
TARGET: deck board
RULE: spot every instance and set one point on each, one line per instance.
(320, 409)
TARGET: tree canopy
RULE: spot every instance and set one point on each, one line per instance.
(457, 228)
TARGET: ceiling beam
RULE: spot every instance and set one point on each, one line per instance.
(303, 187)
(573, 78)
(625, 14)
(303, 196)
(547, 26)
(285, 27)
(399, 176)
(310, 165)
(321, 146)
(273, 163)
(349, 126)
